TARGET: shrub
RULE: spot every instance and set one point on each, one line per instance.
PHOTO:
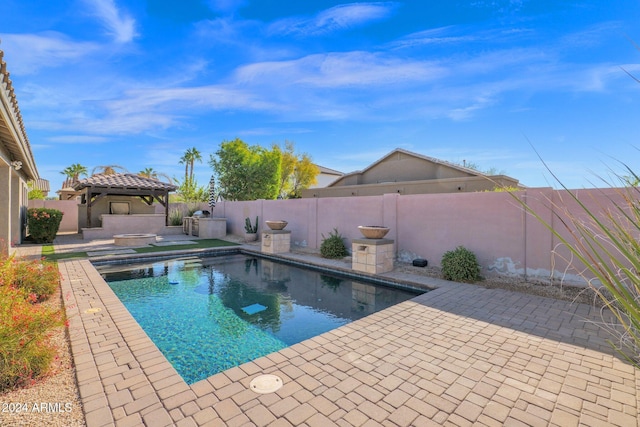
(37, 278)
(43, 224)
(25, 326)
(192, 208)
(175, 217)
(460, 265)
(333, 246)
(25, 351)
(7, 270)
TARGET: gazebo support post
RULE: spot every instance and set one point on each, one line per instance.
(88, 207)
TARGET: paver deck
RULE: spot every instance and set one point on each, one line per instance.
(458, 355)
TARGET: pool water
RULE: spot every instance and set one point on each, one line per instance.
(207, 315)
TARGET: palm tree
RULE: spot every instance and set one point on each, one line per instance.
(74, 172)
(107, 170)
(150, 173)
(185, 160)
(188, 159)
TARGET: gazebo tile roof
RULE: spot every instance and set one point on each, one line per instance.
(124, 181)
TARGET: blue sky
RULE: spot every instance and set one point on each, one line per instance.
(134, 83)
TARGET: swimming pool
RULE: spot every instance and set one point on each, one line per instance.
(207, 315)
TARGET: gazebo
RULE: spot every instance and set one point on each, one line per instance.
(108, 194)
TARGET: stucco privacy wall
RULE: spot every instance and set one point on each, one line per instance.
(493, 225)
(505, 239)
(69, 208)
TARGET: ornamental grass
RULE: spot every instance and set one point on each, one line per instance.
(606, 241)
(25, 324)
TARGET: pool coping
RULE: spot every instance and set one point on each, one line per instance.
(123, 379)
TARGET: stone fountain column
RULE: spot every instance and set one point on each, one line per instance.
(374, 254)
(276, 240)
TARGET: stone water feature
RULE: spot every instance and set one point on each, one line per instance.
(374, 254)
(276, 240)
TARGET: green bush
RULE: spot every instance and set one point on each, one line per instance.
(460, 265)
(175, 217)
(43, 224)
(333, 246)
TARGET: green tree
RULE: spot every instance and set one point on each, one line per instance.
(246, 172)
(74, 172)
(304, 175)
(188, 159)
(35, 193)
(297, 172)
(190, 192)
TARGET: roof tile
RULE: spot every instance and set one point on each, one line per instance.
(123, 180)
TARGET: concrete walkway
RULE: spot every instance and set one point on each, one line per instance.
(458, 355)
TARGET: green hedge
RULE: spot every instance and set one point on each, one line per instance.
(43, 224)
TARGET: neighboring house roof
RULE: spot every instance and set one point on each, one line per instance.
(465, 170)
(13, 134)
(405, 172)
(123, 181)
(42, 185)
(328, 171)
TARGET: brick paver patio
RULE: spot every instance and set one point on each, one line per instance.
(458, 355)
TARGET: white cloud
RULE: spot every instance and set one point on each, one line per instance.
(78, 139)
(340, 70)
(338, 18)
(462, 35)
(28, 53)
(432, 36)
(462, 113)
(190, 98)
(227, 30)
(137, 111)
(117, 23)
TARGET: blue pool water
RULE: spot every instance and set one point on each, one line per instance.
(207, 315)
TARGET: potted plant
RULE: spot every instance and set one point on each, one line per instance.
(250, 231)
